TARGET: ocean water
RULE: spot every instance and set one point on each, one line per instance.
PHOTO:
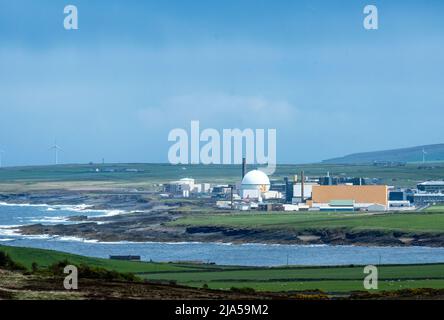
(220, 253)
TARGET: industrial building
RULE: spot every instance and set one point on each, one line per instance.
(422, 199)
(185, 187)
(302, 188)
(372, 197)
(256, 192)
(256, 185)
(429, 193)
(221, 191)
(431, 186)
(397, 195)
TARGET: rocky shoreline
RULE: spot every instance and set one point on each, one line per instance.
(152, 231)
(147, 220)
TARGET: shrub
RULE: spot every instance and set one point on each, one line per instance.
(7, 263)
(34, 267)
(244, 290)
(88, 272)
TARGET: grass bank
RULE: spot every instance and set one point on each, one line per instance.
(431, 221)
(341, 279)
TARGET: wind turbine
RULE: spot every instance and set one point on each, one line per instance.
(56, 149)
(1, 153)
(423, 155)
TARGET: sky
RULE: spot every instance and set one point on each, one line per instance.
(134, 70)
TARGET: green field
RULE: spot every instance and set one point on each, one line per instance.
(435, 208)
(44, 258)
(428, 221)
(145, 175)
(289, 278)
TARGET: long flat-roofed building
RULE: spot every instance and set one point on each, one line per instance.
(431, 186)
(362, 196)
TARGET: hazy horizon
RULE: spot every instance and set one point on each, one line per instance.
(133, 71)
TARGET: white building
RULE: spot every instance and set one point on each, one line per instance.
(291, 207)
(271, 195)
(186, 186)
(205, 188)
(254, 185)
(297, 191)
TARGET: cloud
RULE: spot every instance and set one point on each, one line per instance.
(220, 110)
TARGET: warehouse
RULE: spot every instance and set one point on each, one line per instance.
(359, 197)
(421, 199)
(431, 186)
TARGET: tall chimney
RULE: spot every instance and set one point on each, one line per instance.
(244, 167)
(302, 186)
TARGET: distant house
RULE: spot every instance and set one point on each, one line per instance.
(128, 258)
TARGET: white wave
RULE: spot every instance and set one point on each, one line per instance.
(38, 236)
(9, 231)
(91, 241)
(70, 238)
(80, 208)
(79, 239)
(6, 240)
(85, 208)
(75, 208)
(110, 213)
(56, 219)
(22, 204)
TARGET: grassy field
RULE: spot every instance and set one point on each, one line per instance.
(44, 258)
(145, 175)
(289, 278)
(435, 208)
(429, 221)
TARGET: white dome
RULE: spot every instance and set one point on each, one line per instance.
(256, 179)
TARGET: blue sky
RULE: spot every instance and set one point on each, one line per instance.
(137, 69)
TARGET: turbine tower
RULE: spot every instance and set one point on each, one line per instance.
(423, 155)
(56, 149)
(1, 153)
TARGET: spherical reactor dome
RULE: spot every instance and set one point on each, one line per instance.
(256, 179)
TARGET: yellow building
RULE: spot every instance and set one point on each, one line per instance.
(359, 194)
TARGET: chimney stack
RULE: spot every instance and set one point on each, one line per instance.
(244, 167)
(302, 186)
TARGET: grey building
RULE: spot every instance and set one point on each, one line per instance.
(421, 199)
(431, 186)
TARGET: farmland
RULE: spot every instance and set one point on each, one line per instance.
(343, 279)
(137, 175)
(431, 221)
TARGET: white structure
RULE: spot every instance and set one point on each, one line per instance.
(183, 187)
(254, 184)
(272, 195)
(376, 207)
(242, 206)
(222, 204)
(205, 187)
(56, 149)
(291, 207)
(399, 204)
(297, 191)
(250, 194)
